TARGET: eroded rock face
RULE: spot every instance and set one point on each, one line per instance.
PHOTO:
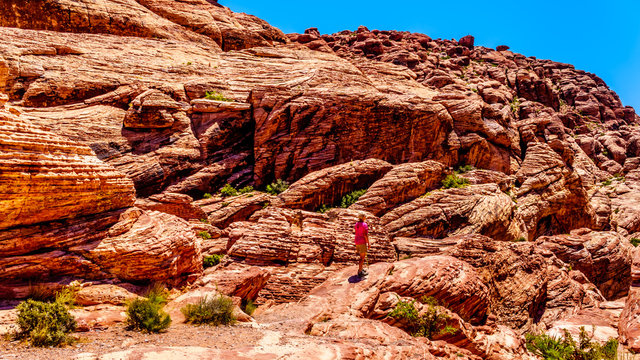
(326, 187)
(401, 184)
(44, 177)
(480, 209)
(604, 258)
(301, 248)
(148, 246)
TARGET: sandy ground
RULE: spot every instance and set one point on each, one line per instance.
(117, 338)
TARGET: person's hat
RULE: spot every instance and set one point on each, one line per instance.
(361, 217)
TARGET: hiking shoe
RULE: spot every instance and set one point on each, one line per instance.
(365, 272)
(360, 274)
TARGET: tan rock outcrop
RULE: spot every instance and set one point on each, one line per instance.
(147, 246)
(44, 177)
(302, 248)
(401, 184)
(482, 209)
(326, 187)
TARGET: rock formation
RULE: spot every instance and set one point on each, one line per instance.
(503, 186)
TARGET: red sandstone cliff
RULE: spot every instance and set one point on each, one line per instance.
(105, 103)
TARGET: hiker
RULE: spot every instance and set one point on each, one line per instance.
(362, 242)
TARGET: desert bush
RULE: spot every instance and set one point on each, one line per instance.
(464, 169)
(635, 242)
(245, 190)
(213, 311)
(214, 95)
(248, 306)
(45, 323)
(430, 323)
(228, 190)
(204, 234)
(566, 348)
(146, 314)
(206, 196)
(454, 181)
(350, 198)
(211, 260)
(277, 187)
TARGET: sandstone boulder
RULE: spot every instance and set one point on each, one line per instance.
(326, 187)
(401, 184)
(482, 209)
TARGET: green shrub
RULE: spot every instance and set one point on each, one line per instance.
(454, 181)
(214, 95)
(214, 311)
(464, 169)
(204, 234)
(146, 314)
(566, 348)
(277, 187)
(45, 323)
(350, 198)
(606, 182)
(228, 190)
(515, 105)
(206, 196)
(245, 190)
(248, 306)
(324, 208)
(635, 242)
(430, 323)
(211, 260)
(521, 239)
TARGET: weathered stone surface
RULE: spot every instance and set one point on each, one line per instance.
(221, 212)
(629, 325)
(604, 257)
(44, 177)
(302, 248)
(148, 246)
(401, 184)
(551, 198)
(480, 209)
(171, 203)
(236, 280)
(326, 187)
(106, 294)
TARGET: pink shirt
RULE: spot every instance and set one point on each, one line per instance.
(361, 231)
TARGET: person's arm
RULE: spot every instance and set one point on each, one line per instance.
(366, 237)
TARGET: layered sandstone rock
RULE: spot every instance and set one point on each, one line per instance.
(327, 187)
(45, 177)
(401, 184)
(301, 248)
(480, 209)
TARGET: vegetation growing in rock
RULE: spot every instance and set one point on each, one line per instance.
(206, 196)
(635, 242)
(214, 95)
(454, 181)
(350, 198)
(464, 169)
(146, 314)
(428, 324)
(47, 323)
(248, 306)
(277, 187)
(213, 311)
(566, 348)
(204, 234)
(229, 190)
(211, 260)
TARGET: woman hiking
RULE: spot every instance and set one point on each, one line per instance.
(362, 242)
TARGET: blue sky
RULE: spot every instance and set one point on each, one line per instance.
(602, 37)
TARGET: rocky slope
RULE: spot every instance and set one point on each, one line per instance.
(109, 145)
